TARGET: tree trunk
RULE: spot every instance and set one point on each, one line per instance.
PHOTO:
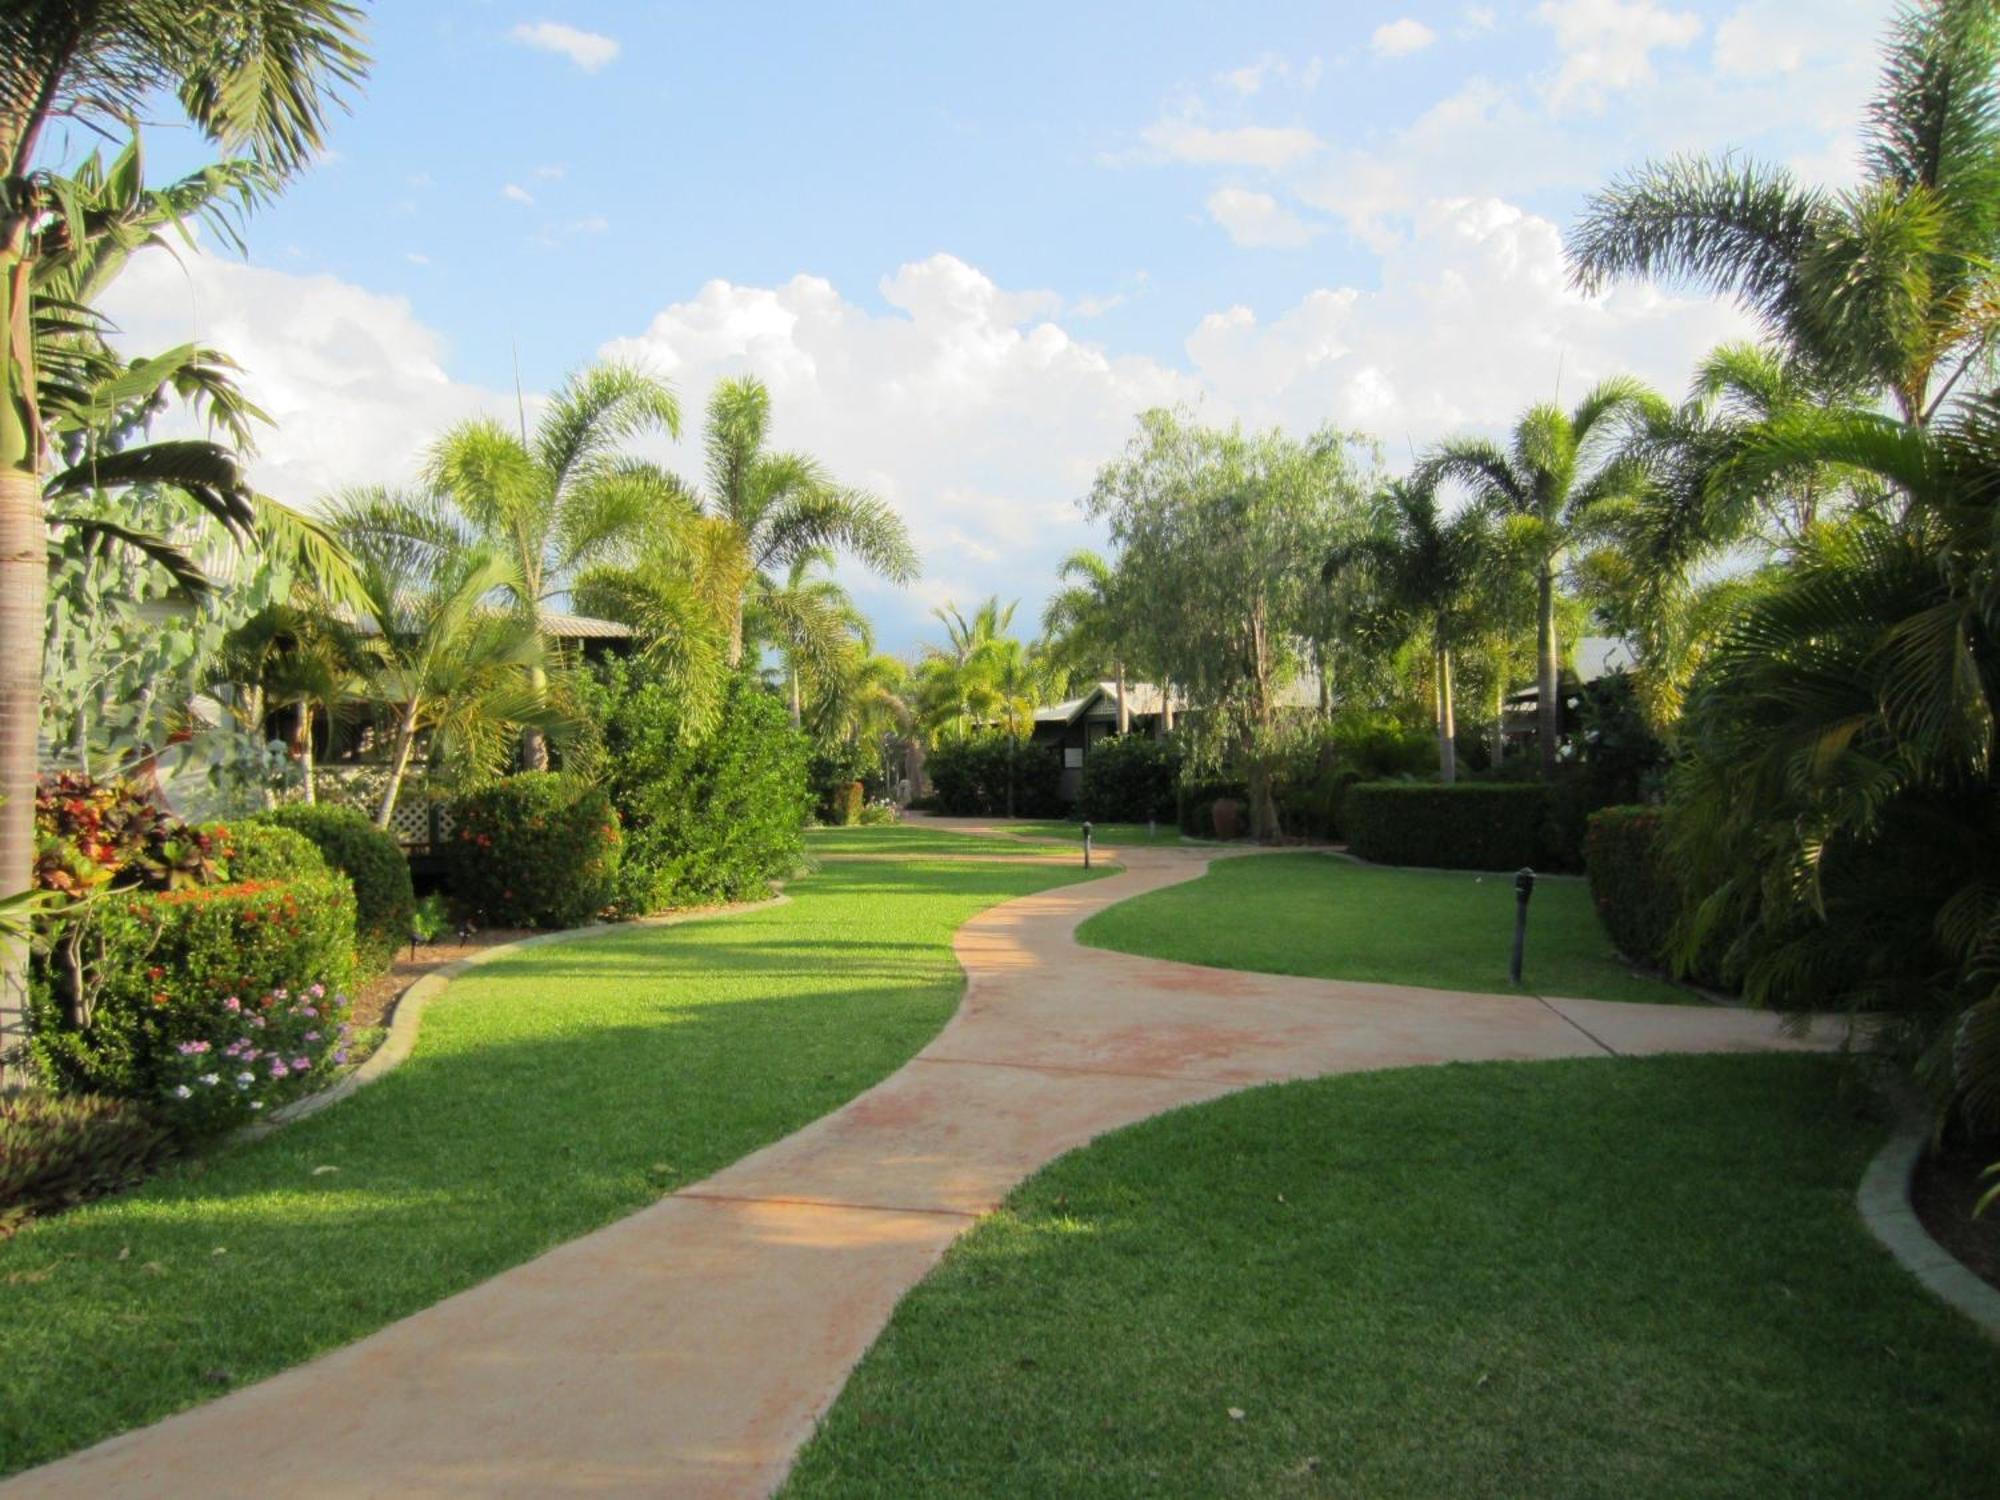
(1167, 705)
(306, 755)
(1499, 711)
(1447, 721)
(796, 714)
(1124, 714)
(406, 739)
(1263, 801)
(23, 595)
(1548, 710)
(1010, 775)
(736, 635)
(534, 743)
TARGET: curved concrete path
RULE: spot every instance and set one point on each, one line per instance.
(689, 1349)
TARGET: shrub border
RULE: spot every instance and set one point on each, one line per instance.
(1883, 1200)
(408, 1018)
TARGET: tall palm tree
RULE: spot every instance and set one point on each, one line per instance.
(814, 623)
(1563, 477)
(1083, 623)
(1427, 571)
(1893, 283)
(256, 77)
(782, 506)
(955, 695)
(300, 657)
(463, 678)
(564, 497)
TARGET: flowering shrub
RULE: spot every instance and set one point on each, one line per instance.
(372, 860)
(90, 835)
(248, 1056)
(136, 973)
(535, 850)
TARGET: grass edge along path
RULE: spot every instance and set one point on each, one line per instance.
(1327, 918)
(916, 840)
(551, 1092)
(1593, 1278)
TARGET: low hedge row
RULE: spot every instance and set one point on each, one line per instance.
(1468, 826)
(1130, 778)
(372, 860)
(971, 779)
(1635, 894)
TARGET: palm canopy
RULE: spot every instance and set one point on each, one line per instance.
(815, 625)
(784, 506)
(1892, 283)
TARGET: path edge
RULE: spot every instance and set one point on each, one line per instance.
(1883, 1201)
(408, 1018)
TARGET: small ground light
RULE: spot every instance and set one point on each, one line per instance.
(1524, 887)
(1086, 843)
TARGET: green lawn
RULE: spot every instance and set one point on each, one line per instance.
(917, 839)
(1166, 831)
(549, 1093)
(1628, 1278)
(1330, 918)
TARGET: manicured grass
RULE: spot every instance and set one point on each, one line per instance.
(1617, 1278)
(550, 1093)
(1330, 918)
(1166, 831)
(917, 839)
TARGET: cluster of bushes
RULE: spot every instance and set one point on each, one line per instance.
(540, 849)
(1635, 894)
(372, 861)
(995, 776)
(710, 813)
(1130, 778)
(1468, 826)
(839, 776)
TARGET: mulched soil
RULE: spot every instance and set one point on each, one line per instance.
(373, 1001)
(1944, 1189)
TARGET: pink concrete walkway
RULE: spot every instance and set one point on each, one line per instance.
(689, 1349)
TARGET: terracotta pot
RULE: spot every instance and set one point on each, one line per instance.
(1226, 813)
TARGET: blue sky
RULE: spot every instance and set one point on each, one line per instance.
(966, 245)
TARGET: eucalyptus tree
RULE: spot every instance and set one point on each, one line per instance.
(561, 498)
(782, 506)
(1564, 477)
(1895, 283)
(257, 78)
(1226, 530)
(1426, 570)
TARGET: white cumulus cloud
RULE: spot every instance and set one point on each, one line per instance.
(1401, 37)
(1608, 46)
(1269, 146)
(513, 192)
(587, 49)
(1257, 220)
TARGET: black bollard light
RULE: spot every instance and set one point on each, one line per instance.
(1524, 887)
(1086, 843)
(416, 936)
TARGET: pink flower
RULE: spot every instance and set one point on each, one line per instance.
(300, 1064)
(232, 1003)
(312, 1036)
(189, 1049)
(340, 1055)
(307, 1010)
(278, 1068)
(316, 990)
(258, 1022)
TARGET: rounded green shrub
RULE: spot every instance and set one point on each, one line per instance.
(57, 1152)
(133, 975)
(368, 857)
(266, 851)
(972, 778)
(541, 849)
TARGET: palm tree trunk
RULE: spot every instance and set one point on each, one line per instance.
(406, 739)
(1447, 721)
(1548, 710)
(1124, 714)
(306, 755)
(736, 636)
(534, 743)
(796, 715)
(1010, 775)
(23, 596)
(1499, 711)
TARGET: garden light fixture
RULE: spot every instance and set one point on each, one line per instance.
(1524, 887)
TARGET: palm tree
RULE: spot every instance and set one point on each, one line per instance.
(863, 701)
(1837, 805)
(303, 658)
(815, 624)
(1563, 477)
(256, 77)
(955, 695)
(1427, 571)
(564, 498)
(1892, 284)
(458, 672)
(1082, 622)
(782, 506)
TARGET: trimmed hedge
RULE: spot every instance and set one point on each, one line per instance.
(372, 860)
(266, 851)
(1636, 897)
(970, 778)
(1130, 778)
(540, 849)
(1469, 826)
(158, 968)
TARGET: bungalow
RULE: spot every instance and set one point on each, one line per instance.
(1078, 723)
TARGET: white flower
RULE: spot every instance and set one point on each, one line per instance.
(211, 1079)
(1573, 702)
(182, 1091)
(256, 1103)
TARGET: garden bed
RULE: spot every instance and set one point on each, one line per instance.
(1944, 1189)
